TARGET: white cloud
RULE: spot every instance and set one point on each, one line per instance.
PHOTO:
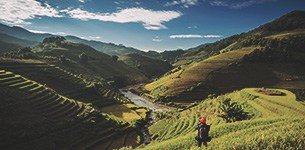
(94, 37)
(156, 39)
(17, 12)
(82, 1)
(150, 19)
(192, 27)
(236, 4)
(180, 47)
(212, 36)
(38, 31)
(43, 32)
(183, 3)
(194, 36)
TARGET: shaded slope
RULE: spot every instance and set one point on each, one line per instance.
(65, 83)
(8, 47)
(108, 48)
(97, 64)
(9, 43)
(150, 67)
(43, 119)
(14, 40)
(22, 33)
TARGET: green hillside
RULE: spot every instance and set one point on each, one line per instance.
(34, 116)
(21, 33)
(82, 59)
(150, 67)
(9, 43)
(64, 82)
(65, 92)
(17, 41)
(8, 47)
(246, 60)
(167, 55)
(108, 48)
(277, 122)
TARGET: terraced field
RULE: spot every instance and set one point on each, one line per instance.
(33, 116)
(65, 83)
(224, 73)
(126, 112)
(277, 123)
(181, 80)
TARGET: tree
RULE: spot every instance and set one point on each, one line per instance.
(83, 58)
(63, 59)
(24, 50)
(115, 58)
(231, 111)
(57, 40)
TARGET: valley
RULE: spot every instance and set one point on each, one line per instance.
(67, 92)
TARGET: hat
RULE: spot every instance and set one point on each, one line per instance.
(203, 120)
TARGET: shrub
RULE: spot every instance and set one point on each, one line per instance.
(83, 58)
(25, 50)
(115, 58)
(232, 111)
(57, 40)
(63, 59)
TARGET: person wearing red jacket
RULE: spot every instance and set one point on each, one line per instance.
(203, 133)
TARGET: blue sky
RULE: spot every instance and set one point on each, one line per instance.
(145, 24)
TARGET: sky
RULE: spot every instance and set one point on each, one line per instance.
(145, 24)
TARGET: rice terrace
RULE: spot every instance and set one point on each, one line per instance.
(152, 75)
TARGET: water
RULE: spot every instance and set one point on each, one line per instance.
(142, 102)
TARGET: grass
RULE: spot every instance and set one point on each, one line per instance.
(126, 112)
(287, 34)
(65, 82)
(98, 65)
(183, 79)
(281, 129)
(37, 117)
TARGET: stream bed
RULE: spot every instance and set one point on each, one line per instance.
(142, 102)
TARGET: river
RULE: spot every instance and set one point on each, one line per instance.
(142, 102)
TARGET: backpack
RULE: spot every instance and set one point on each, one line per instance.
(203, 132)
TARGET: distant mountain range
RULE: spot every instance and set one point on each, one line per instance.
(22, 37)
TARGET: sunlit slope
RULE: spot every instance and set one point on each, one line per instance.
(33, 116)
(277, 123)
(181, 79)
(269, 56)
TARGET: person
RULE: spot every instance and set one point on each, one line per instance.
(203, 133)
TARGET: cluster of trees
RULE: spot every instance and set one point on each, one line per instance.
(232, 111)
(51, 42)
(63, 59)
(22, 53)
(56, 40)
(114, 58)
(275, 50)
(83, 58)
